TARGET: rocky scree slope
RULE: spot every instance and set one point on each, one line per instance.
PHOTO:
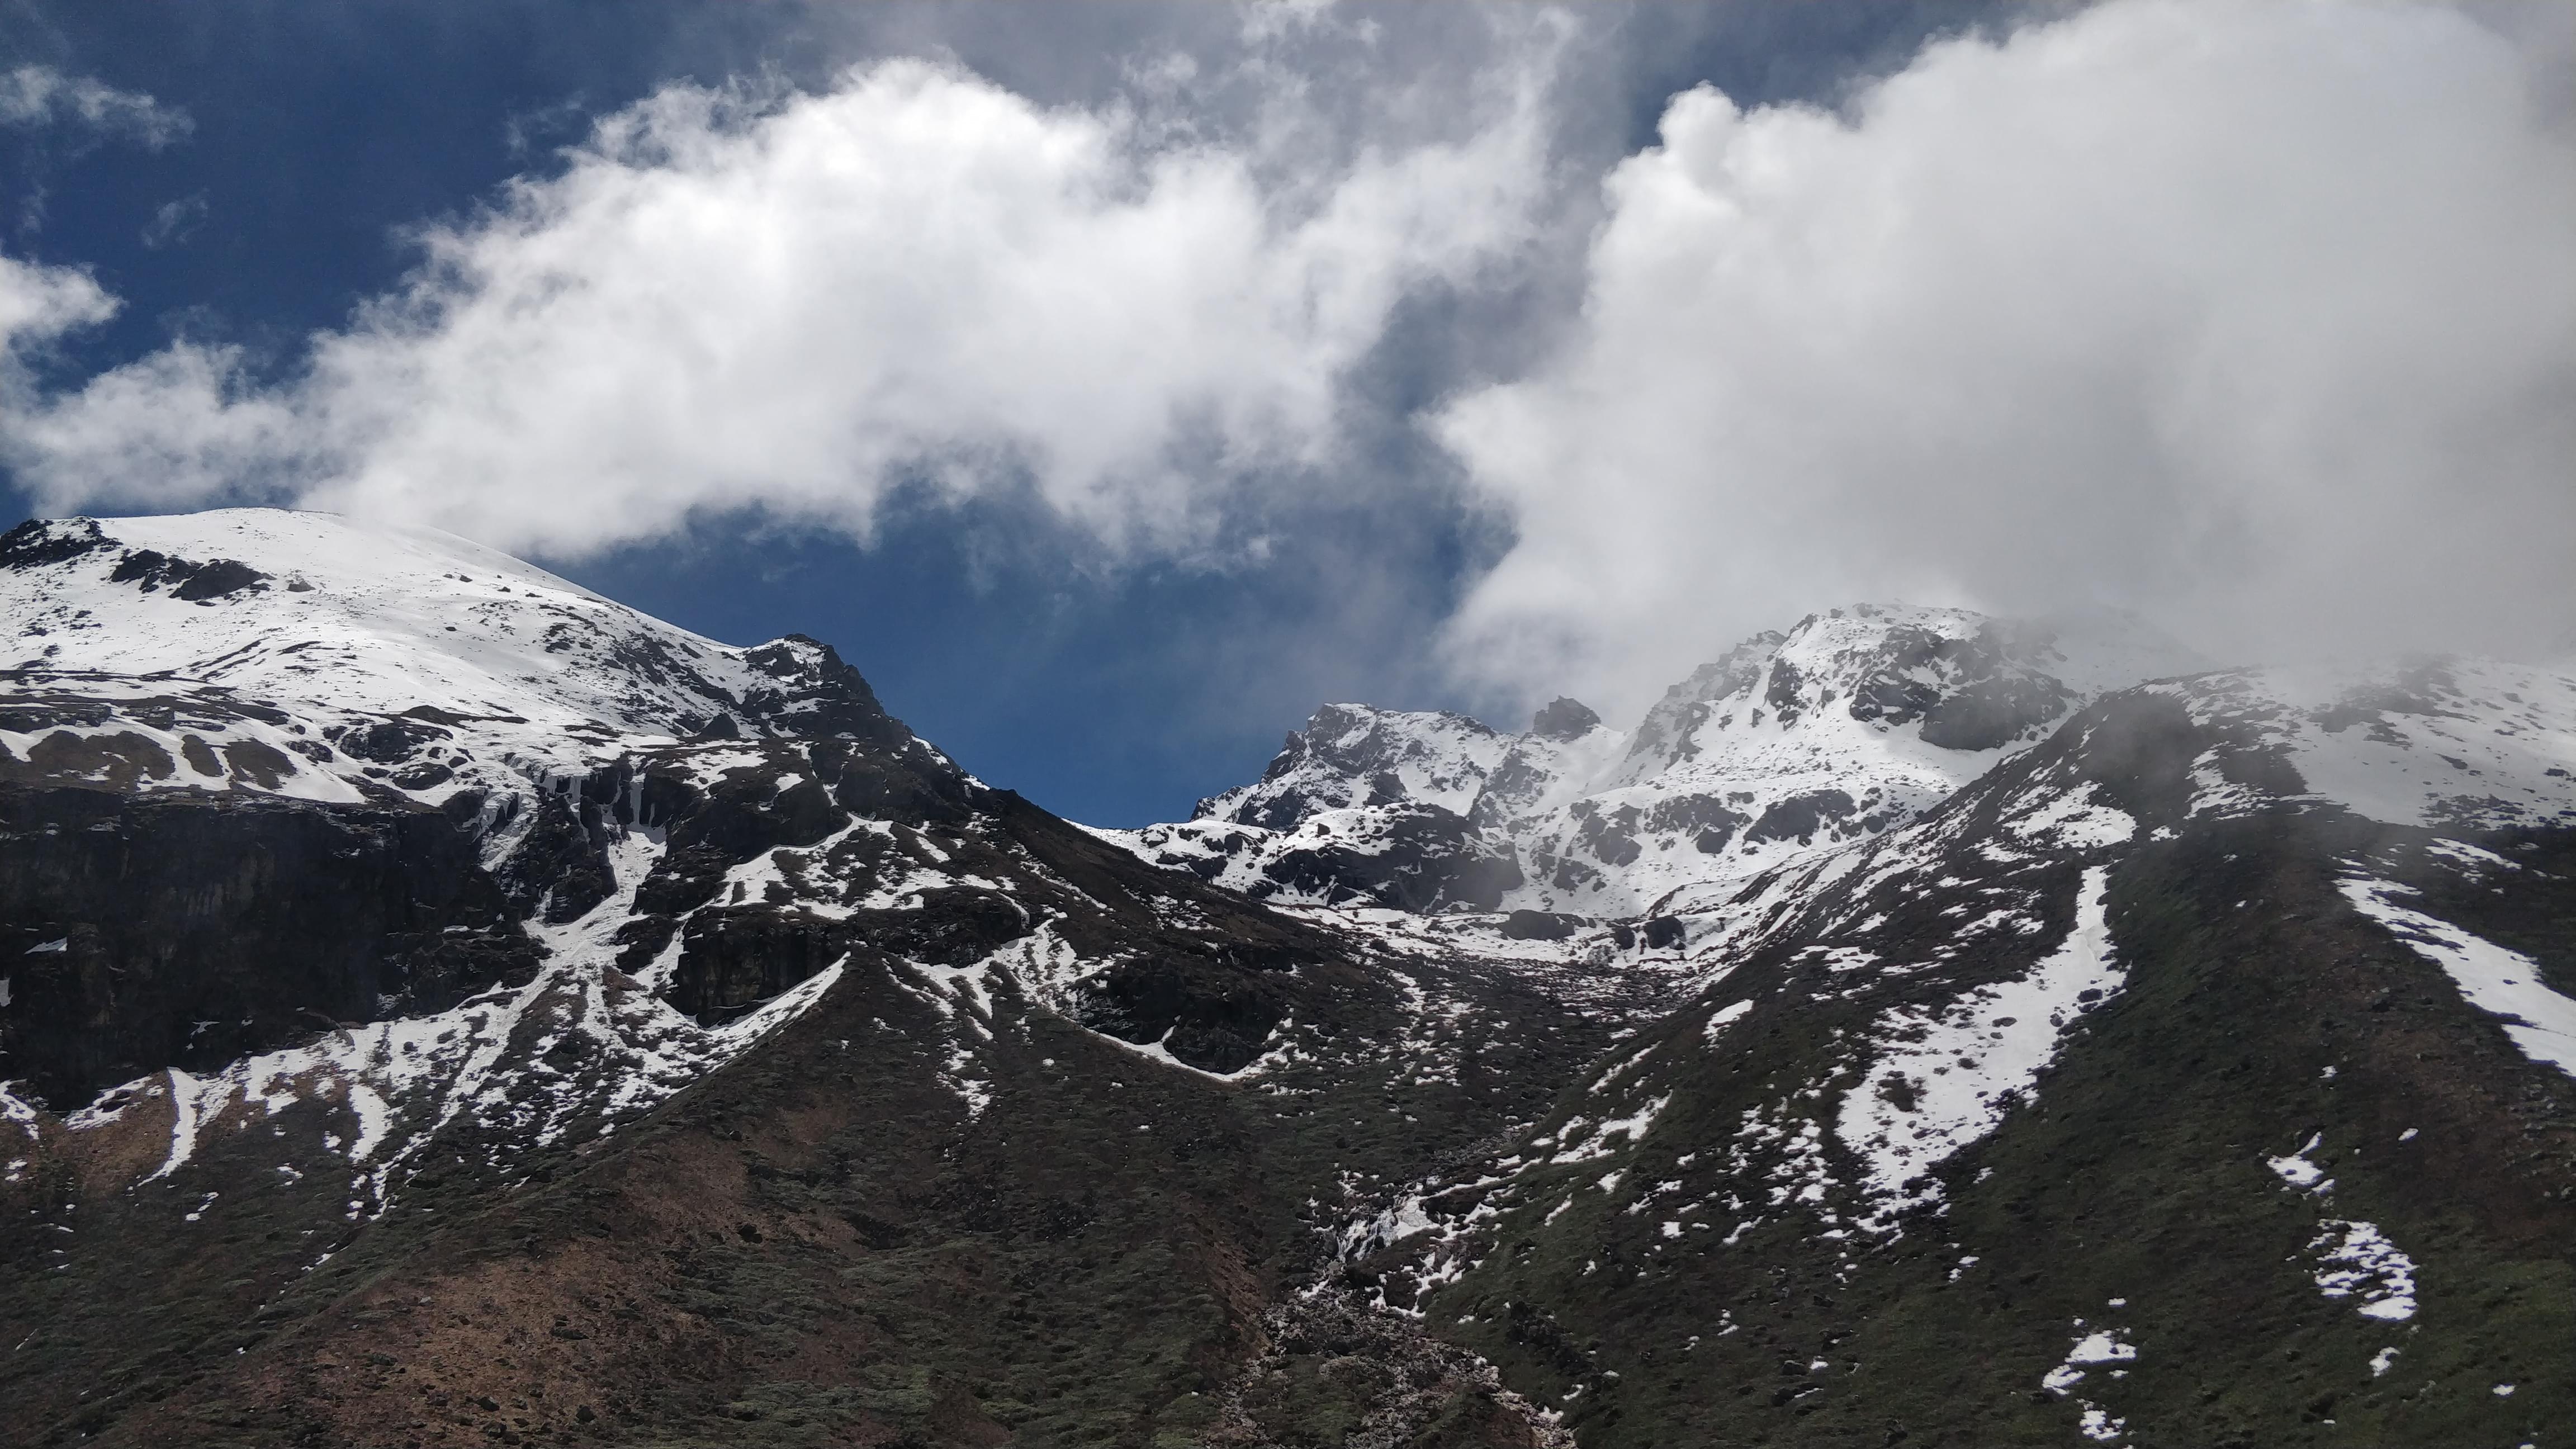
(443, 1006)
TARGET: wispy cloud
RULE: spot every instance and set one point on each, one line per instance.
(39, 304)
(41, 96)
(173, 222)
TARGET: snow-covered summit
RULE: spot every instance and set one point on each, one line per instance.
(318, 657)
(1357, 755)
(1384, 807)
(1847, 724)
(1959, 680)
(381, 618)
(1852, 721)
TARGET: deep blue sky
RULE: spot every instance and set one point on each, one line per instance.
(321, 132)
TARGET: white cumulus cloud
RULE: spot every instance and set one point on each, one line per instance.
(2259, 317)
(39, 303)
(800, 302)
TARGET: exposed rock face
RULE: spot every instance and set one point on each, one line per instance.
(806, 690)
(40, 541)
(187, 580)
(1802, 817)
(1564, 720)
(1541, 926)
(148, 931)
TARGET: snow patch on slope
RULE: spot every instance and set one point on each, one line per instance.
(2502, 983)
(2355, 1259)
(1944, 1080)
(2448, 743)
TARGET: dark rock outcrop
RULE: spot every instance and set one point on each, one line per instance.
(1541, 925)
(187, 929)
(153, 570)
(1564, 719)
(1800, 817)
(1411, 857)
(41, 541)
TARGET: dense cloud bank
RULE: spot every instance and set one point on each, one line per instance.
(2258, 317)
(2255, 318)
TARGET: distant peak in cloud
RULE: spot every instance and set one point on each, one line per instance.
(40, 95)
(2258, 318)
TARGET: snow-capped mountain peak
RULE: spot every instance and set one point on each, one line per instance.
(381, 618)
(1668, 730)
(464, 797)
(1957, 680)
(1352, 755)
(1850, 722)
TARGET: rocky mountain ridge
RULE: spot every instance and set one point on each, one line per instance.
(1850, 723)
(2178, 988)
(442, 1006)
(348, 896)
